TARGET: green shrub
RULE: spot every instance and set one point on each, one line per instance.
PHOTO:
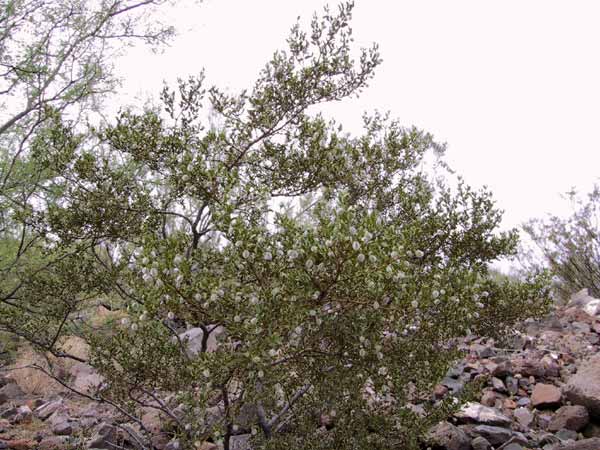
(347, 304)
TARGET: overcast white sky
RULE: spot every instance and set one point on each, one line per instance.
(512, 86)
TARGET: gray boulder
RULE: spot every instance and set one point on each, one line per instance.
(478, 413)
(449, 437)
(583, 300)
(193, 338)
(105, 437)
(495, 435)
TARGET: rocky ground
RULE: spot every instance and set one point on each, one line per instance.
(543, 392)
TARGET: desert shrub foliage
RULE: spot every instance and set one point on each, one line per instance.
(569, 246)
(337, 274)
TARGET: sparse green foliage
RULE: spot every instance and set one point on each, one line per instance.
(570, 247)
(348, 302)
(56, 61)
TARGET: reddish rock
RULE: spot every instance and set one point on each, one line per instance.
(53, 443)
(570, 417)
(21, 444)
(545, 396)
(509, 403)
(488, 398)
(529, 367)
(160, 441)
(583, 388)
(440, 391)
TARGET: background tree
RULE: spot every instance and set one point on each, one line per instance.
(56, 60)
(349, 304)
(570, 246)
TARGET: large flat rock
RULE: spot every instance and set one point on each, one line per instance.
(477, 413)
(583, 388)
